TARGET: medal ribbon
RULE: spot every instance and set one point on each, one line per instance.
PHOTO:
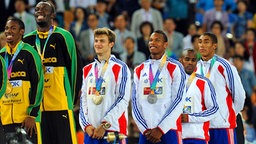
(38, 45)
(210, 68)
(9, 65)
(99, 79)
(153, 80)
(190, 79)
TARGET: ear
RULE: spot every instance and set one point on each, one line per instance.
(111, 44)
(22, 31)
(53, 15)
(215, 46)
(165, 45)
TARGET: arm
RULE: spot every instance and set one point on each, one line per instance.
(210, 105)
(3, 77)
(123, 96)
(236, 88)
(178, 93)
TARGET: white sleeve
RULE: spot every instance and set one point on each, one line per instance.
(210, 104)
(237, 90)
(178, 94)
(83, 117)
(136, 107)
(123, 92)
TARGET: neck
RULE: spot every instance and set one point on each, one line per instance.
(44, 29)
(157, 56)
(218, 8)
(206, 58)
(13, 44)
(130, 52)
(103, 57)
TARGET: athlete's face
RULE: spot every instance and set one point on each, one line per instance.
(156, 44)
(206, 46)
(102, 45)
(189, 62)
(13, 32)
(44, 14)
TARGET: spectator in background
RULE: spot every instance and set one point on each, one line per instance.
(175, 39)
(239, 49)
(113, 9)
(2, 40)
(88, 5)
(146, 29)
(223, 43)
(242, 18)
(122, 33)
(178, 11)
(192, 30)
(101, 11)
(146, 13)
(78, 25)
(27, 18)
(216, 13)
(6, 9)
(159, 5)
(250, 47)
(87, 39)
(131, 56)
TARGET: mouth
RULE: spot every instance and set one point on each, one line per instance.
(9, 37)
(40, 17)
(151, 47)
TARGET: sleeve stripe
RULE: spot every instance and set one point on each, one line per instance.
(81, 114)
(213, 94)
(180, 91)
(122, 86)
(136, 109)
(230, 75)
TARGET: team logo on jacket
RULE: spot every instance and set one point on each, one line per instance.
(21, 61)
(49, 69)
(144, 75)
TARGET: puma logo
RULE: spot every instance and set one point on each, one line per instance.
(21, 61)
(53, 46)
(65, 116)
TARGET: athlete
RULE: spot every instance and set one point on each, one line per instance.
(158, 91)
(230, 94)
(200, 102)
(58, 53)
(21, 101)
(105, 92)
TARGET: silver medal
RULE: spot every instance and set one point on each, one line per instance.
(152, 98)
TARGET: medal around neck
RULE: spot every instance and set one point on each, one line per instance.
(97, 99)
(8, 88)
(152, 98)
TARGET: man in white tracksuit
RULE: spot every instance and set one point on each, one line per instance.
(230, 94)
(158, 92)
(200, 102)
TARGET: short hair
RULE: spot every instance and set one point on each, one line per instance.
(236, 56)
(252, 30)
(163, 34)
(218, 23)
(212, 36)
(193, 38)
(18, 21)
(148, 0)
(131, 38)
(94, 14)
(186, 51)
(106, 31)
(146, 23)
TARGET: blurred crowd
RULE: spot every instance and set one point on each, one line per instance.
(232, 21)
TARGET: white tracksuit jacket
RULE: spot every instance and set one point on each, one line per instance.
(116, 95)
(166, 111)
(229, 90)
(201, 106)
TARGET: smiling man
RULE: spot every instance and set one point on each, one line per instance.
(23, 96)
(158, 91)
(105, 92)
(57, 49)
(230, 93)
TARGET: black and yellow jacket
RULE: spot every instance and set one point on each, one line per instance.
(61, 69)
(27, 85)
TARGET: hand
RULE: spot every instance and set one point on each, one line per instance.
(29, 124)
(89, 130)
(184, 118)
(99, 132)
(155, 135)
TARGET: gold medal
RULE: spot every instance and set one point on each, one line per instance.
(9, 87)
(97, 99)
